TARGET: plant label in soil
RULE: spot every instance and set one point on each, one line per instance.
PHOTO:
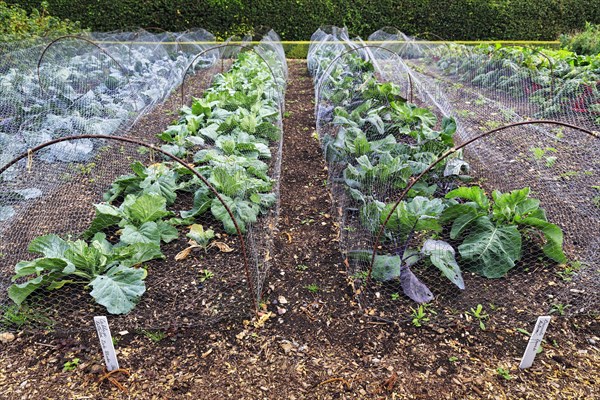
(534, 341)
(106, 342)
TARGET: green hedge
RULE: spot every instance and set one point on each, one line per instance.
(298, 19)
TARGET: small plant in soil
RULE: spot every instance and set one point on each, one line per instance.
(155, 336)
(559, 308)
(453, 359)
(312, 288)
(504, 373)
(395, 296)
(420, 315)
(569, 270)
(301, 267)
(479, 314)
(71, 365)
(18, 316)
(205, 275)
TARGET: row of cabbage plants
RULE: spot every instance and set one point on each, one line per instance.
(228, 135)
(376, 143)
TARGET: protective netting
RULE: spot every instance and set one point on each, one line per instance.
(501, 229)
(166, 235)
(100, 83)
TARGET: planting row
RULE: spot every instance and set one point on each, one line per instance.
(231, 140)
(380, 146)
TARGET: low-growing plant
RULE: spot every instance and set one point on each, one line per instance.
(479, 314)
(313, 288)
(71, 365)
(154, 336)
(420, 315)
(504, 373)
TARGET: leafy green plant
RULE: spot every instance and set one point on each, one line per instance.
(205, 275)
(420, 315)
(154, 336)
(71, 365)
(109, 269)
(313, 288)
(492, 231)
(479, 314)
(504, 373)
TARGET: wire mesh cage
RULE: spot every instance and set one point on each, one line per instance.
(160, 232)
(493, 226)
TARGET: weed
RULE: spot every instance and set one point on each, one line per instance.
(287, 114)
(453, 359)
(301, 267)
(313, 288)
(420, 314)
(86, 169)
(504, 373)
(395, 296)
(71, 365)
(205, 275)
(155, 336)
(307, 221)
(479, 314)
(315, 135)
(569, 270)
(559, 308)
(19, 316)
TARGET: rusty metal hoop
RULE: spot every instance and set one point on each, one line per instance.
(452, 151)
(320, 83)
(102, 50)
(180, 161)
(241, 46)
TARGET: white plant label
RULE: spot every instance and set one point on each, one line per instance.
(108, 349)
(535, 341)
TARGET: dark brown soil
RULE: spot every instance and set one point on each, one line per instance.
(318, 344)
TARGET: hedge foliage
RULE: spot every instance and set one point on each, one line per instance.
(17, 24)
(298, 19)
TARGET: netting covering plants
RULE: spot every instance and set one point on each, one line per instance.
(437, 209)
(92, 84)
(169, 234)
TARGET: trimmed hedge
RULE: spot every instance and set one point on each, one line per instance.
(298, 19)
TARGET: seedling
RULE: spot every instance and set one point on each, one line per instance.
(205, 275)
(71, 365)
(313, 288)
(395, 296)
(155, 336)
(453, 359)
(504, 373)
(301, 267)
(479, 314)
(569, 270)
(559, 308)
(419, 314)
(361, 276)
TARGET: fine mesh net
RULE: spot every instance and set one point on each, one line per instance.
(130, 232)
(502, 223)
